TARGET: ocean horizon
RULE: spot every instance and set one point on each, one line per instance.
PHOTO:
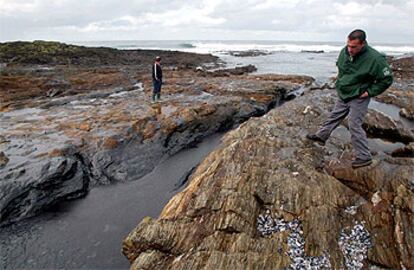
(316, 59)
(214, 46)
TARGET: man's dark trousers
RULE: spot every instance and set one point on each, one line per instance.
(157, 89)
(357, 109)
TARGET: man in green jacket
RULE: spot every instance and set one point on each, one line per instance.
(362, 73)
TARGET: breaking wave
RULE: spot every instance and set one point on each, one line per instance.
(284, 47)
(216, 47)
(223, 46)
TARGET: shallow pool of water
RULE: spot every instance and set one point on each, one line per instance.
(392, 111)
(88, 233)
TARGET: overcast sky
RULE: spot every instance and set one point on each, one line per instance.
(389, 21)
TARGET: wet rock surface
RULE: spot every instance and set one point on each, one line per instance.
(401, 93)
(71, 122)
(34, 70)
(267, 164)
(99, 126)
(379, 125)
(406, 151)
(87, 233)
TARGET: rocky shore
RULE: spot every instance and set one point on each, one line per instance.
(267, 164)
(68, 127)
(73, 118)
(270, 199)
(401, 93)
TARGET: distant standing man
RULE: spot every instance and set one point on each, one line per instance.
(362, 73)
(156, 79)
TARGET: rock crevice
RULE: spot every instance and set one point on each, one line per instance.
(267, 163)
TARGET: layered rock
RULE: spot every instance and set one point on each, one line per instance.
(379, 125)
(401, 93)
(268, 165)
(102, 127)
(407, 151)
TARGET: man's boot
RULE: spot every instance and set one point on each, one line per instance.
(315, 138)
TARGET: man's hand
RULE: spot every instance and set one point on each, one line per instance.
(364, 95)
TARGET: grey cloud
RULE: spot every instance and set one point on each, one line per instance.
(78, 19)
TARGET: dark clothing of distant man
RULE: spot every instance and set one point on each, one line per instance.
(362, 73)
(156, 79)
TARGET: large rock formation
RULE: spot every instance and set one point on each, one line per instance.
(98, 126)
(382, 126)
(268, 165)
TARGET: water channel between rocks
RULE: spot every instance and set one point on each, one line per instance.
(87, 233)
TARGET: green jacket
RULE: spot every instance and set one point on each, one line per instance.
(367, 71)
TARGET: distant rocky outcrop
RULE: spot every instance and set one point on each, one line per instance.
(312, 51)
(345, 218)
(248, 53)
(56, 53)
(232, 71)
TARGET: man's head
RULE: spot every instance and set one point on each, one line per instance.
(356, 42)
(157, 59)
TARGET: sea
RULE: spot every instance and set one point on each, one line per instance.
(316, 59)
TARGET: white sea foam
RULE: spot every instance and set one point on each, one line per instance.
(227, 46)
(214, 47)
(283, 47)
(397, 50)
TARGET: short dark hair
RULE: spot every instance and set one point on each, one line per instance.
(357, 34)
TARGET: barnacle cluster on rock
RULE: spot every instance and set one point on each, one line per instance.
(354, 245)
(267, 225)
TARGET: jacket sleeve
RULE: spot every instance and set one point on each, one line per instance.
(159, 72)
(382, 77)
(152, 72)
(155, 74)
